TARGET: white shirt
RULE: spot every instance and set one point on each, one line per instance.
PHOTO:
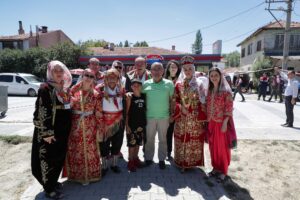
(108, 104)
(291, 88)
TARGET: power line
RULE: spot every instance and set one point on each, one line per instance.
(209, 26)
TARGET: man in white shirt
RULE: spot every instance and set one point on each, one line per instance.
(290, 94)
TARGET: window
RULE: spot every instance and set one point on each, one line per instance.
(6, 78)
(258, 46)
(243, 52)
(279, 41)
(295, 42)
(250, 49)
(20, 79)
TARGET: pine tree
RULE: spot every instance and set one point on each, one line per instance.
(126, 44)
(120, 44)
(197, 46)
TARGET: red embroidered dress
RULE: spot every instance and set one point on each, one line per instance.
(189, 128)
(219, 106)
(83, 157)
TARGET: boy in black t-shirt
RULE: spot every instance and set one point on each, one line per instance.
(135, 123)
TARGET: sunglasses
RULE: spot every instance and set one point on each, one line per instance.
(118, 67)
(89, 76)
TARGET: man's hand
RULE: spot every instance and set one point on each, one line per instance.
(293, 101)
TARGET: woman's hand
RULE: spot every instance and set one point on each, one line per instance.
(50, 139)
(224, 127)
(128, 130)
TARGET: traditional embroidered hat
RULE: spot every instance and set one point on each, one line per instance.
(185, 60)
(150, 59)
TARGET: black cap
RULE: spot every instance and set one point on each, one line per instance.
(136, 81)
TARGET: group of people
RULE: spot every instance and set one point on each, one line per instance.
(80, 130)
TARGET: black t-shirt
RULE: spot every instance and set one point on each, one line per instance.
(137, 111)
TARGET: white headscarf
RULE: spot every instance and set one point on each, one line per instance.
(224, 86)
(196, 83)
(67, 77)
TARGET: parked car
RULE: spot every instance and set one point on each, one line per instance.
(20, 83)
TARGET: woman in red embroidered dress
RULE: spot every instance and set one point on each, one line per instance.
(221, 131)
(83, 157)
(190, 118)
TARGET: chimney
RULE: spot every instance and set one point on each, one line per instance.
(30, 31)
(173, 47)
(21, 30)
(112, 46)
(44, 29)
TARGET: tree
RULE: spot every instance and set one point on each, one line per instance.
(126, 44)
(233, 59)
(94, 43)
(120, 44)
(141, 44)
(197, 46)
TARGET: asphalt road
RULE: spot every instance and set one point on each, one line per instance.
(253, 119)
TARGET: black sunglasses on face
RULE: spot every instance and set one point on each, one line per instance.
(89, 76)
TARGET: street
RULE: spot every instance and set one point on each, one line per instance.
(253, 119)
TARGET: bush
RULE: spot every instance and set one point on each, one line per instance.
(35, 60)
(15, 139)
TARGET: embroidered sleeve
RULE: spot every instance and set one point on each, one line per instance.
(99, 118)
(228, 107)
(43, 114)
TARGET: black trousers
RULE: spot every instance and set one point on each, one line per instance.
(238, 90)
(113, 144)
(276, 92)
(170, 137)
(289, 110)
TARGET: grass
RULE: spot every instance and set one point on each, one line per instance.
(15, 139)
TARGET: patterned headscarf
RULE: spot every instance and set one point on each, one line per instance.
(67, 77)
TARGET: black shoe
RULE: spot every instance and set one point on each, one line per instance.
(269, 100)
(286, 124)
(54, 195)
(280, 101)
(290, 126)
(243, 100)
(103, 172)
(148, 162)
(115, 169)
(258, 99)
(59, 187)
(169, 157)
(162, 165)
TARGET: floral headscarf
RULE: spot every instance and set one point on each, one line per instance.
(67, 77)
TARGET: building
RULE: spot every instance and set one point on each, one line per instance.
(128, 54)
(267, 41)
(41, 38)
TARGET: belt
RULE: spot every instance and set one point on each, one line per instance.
(60, 107)
(83, 114)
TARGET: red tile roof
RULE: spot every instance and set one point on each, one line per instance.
(125, 51)
(270, 26)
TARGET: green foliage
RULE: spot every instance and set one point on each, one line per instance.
(95, 43)
(141, 44)
(15, 139)
(126, 43)
(197, 46)
(120, 44)
(233, 59)
(35, 60)
(261, 64)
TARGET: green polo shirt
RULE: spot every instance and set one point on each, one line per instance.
(157, 98)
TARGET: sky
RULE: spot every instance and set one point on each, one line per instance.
(137, 20)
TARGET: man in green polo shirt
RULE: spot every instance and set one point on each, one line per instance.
(159, 92)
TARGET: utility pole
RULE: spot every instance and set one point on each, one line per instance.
(286, 43)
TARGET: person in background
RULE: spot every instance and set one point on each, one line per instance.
(277, 84)
(221, 131)
(52, 123)
(173, 70)
(238, 89)
(135, 124)
(139, 72)
(262, 87)
(95, 67)
(291, 93)
(83, 157)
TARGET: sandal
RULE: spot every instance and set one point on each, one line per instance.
(59, 187)
(222, 178)
(54, 195)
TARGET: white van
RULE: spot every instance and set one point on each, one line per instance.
(20, 83)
